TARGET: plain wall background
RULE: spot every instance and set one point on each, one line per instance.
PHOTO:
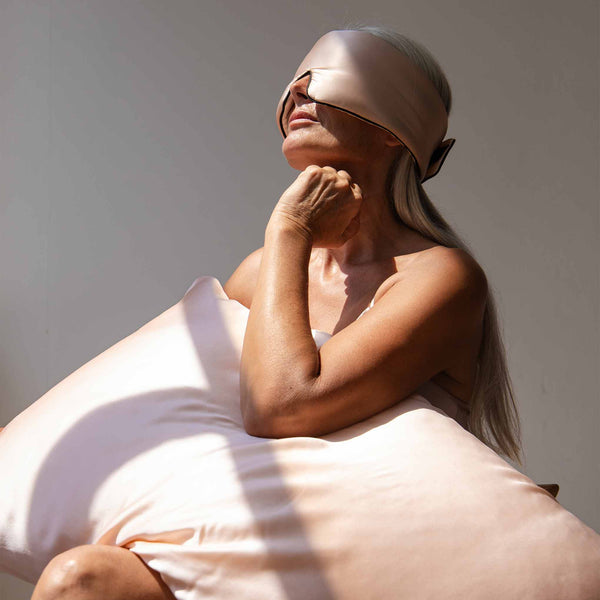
(140, 151)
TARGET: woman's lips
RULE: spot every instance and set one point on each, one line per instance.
(301, 120)
(301, 116)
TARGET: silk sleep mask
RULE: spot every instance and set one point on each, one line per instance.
(366, 76)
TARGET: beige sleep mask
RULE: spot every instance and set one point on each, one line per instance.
(365, 75)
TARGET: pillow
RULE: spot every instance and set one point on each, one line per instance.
(144, 447)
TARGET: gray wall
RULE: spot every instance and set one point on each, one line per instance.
(140, 150)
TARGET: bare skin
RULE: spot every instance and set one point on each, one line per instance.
(331, 243)
(334, 304)
(99, 572)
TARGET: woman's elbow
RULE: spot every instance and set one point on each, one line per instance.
(257, 412)
(267, 414)
(255, 422)
(256, 428)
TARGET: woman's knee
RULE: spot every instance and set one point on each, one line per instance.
(99, 572)
(77, 574)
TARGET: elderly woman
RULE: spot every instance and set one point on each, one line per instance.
(362, 293)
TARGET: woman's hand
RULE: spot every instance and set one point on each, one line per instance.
(323, 204)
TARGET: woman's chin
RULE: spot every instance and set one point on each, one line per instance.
(299, 160)
(299, 164)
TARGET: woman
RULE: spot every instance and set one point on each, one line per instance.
(354, 234)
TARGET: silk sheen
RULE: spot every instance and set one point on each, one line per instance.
(144, 447)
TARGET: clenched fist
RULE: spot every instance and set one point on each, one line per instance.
(324, 204)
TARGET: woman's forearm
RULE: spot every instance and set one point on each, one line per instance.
(279, 355)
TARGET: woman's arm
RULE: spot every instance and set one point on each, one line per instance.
(289, 388)
(279, 355)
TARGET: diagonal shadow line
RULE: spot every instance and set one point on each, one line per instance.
(280, 495)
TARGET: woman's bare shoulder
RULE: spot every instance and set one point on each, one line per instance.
(440, 256)
(240, 286)
(465, 261)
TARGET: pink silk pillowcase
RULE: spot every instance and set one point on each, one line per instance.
(144, 447)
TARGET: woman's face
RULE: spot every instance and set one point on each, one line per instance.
(334, 138)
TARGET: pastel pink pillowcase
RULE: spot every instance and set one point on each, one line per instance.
(144, 447)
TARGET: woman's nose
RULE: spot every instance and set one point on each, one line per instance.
(298, 90)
